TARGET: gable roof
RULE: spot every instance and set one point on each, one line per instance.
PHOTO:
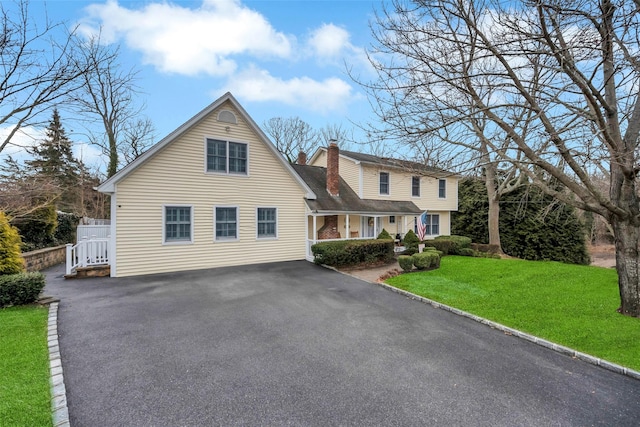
(389, 162)
(109, 186)
(347, 201)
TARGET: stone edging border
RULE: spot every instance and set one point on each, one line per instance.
(60, 413)
(539, 341)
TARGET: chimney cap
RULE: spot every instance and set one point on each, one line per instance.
(333, 141)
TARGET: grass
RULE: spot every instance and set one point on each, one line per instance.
(25, 398)
(567, 304)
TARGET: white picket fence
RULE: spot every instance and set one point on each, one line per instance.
(90, 232)
(87, 252)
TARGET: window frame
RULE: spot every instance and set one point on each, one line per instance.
(227, 143)
(215, 223)
(177, 241)
(442, 189)
(388, 183)
(392, 219)
(258, 236)
(413, 186)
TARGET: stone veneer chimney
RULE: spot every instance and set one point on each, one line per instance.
(333, 173)
(302, 158)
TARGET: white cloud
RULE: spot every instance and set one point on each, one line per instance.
(329, 95)
(26, 137)
(329, 41)
(189, 41)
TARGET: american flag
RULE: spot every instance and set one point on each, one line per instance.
(422, 225)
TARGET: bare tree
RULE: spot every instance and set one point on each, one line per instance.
(291, 136)
(109, 94)
(557, 80)
(38, 66)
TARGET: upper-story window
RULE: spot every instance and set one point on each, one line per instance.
(442, 188)
(415, 186)
(384, 182)
(227, 157)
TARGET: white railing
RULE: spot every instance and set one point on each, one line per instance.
(86, 253)
(92, 232)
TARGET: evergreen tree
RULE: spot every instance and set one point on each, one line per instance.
(54, 161)
(532, 224)
(11, 261)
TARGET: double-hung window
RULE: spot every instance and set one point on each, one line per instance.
(178, 222)
(415, 186)
(384, 183)
(267, 223)
(226, 223)
(432, 226)
(442, 188)
(227, 157)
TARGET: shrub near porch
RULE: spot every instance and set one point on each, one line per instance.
(351, 252)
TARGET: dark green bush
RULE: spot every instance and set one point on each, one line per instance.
(468, 252)
(406, 262)
(410, 240)
(429, 248)
(384, 234)
(425, 260)
(450, 245)
(21, 288)
(409, 251)
(350, 252)
(66, 229)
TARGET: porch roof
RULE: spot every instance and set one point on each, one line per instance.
(347, 202)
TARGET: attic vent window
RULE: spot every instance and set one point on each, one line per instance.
(227, 117)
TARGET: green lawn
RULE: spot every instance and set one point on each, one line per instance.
(25, 398)
(567, 304)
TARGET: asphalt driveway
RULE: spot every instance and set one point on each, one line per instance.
(295, 344)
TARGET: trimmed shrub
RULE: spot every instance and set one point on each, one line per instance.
(411, 241)
(429, 248)
(406, 262)
(410, 251)
(11, 261)
(384, 235)
(425, 260)
(468, 252)
(350, 252)
(21, 288)
(453, 248)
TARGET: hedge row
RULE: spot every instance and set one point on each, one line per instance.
(350, 252)
(21, 288)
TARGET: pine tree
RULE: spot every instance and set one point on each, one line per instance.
(54, 161)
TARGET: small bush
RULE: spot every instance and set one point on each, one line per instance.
(425, 260)
(21, 288)
(445, 246)
(384, 234)
(411, 241)
(429, 248)
(350, 252)
(468, 252)
(457, 243)
(410, 251)
(406, 262)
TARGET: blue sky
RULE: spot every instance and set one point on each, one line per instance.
(278, 58)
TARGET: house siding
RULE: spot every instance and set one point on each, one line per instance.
(176, 175)
(400, 189)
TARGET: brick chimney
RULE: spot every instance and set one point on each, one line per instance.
(302, 158)
(333, 173)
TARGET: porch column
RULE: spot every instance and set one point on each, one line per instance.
(346, 226)
(315, 229)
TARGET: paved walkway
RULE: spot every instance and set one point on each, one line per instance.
(296, 344)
